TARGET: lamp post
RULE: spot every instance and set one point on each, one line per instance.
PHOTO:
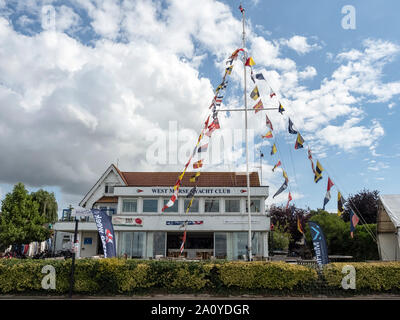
(71, 280)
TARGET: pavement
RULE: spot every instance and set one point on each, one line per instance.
(200, 297)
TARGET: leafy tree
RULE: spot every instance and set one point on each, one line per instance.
(279, 238)
(47, 205)
(287, 220)
(364, 202)
(20, 220)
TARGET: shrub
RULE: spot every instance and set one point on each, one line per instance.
(266, 275)
(120, 276)
(372, 277)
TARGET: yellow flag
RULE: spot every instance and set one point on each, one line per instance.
(190, 204)
(255, 94)
(250, 62)
(285, 175)
(194, 178)
(273, 151)
(340, 202)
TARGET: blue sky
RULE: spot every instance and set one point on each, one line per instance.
(114, 72)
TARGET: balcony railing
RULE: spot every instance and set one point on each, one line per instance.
(66, 215)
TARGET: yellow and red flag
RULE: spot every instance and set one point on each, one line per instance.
(268, 135)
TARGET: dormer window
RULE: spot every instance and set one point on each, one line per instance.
(109, 189)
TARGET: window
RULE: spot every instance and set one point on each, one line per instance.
(174, 208)
(109, 189)
(194, 207)
(255, 205)
(159, 241)
(211, 205)
(220, 245)
(129, 205)
(150, 205)
(132, 244)
(232, 205)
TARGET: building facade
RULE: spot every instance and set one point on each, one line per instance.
(216, 224)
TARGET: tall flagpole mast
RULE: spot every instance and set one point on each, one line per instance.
(246, 139)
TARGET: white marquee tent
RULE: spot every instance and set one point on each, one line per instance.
(388, 226)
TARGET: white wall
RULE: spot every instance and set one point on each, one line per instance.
(99, 192)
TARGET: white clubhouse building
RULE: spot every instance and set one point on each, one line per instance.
(217, 223)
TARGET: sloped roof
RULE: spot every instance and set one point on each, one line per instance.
(106, 199)
(391, 203)
(206, 179)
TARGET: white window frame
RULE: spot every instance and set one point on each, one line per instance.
(155, 199)
(240, 205)
(130, 199)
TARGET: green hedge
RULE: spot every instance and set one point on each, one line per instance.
(120, 276)
(370, 277)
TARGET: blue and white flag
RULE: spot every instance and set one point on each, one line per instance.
(106, 232)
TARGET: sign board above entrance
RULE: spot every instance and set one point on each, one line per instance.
(201, 191)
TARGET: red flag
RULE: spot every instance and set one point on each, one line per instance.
(277, 165)
(330, 184)
(289, 199)
(206, 123)
(183, 243)
(268, 122)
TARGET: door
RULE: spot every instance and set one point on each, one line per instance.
(88, 244)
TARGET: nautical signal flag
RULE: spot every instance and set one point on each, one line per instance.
(268, 135)
(203, 148)
(259, 106)
(285, 175)
(290, 128)
(268, 122)
(271, 93)
(198, 164)
(312, 163)
(318, 172)
(281, 109)
(299, 141)
(189, 205)
(250, 62)
(276, 166)
(221, 86)
(299, 226)
(229, 70)
(241, 9)
(260, 76)
(340, 203)
(192, 192)
(183, 243)
(328, 193)
(273, 150)
(195, 177)
(255, 94)
(235, 53)
(354, 219)
(289, 199)
(171, 201)
(252, 76)
(281, 189)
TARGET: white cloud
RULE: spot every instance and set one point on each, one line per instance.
(66, 19)
(79, 107)
(350, 137)
(300, 44)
